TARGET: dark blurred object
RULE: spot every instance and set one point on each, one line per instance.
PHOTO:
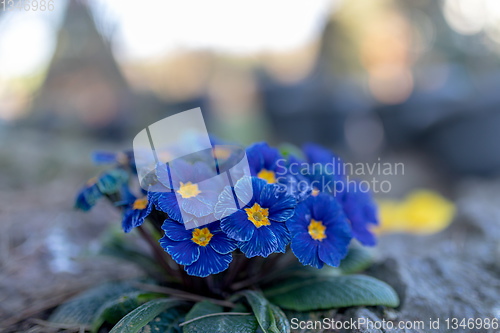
(316, 107)
(84, 88)
(85, 91)
(459, 122)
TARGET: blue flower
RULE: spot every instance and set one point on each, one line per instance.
(325, 171)
(259, 227)
(263, 161)
(187, 182)
(203, 251)
(88, 196)
(109, 182)
(320, 231)
(136, 212)
(318, 154)
(361, 210)
(268, 164)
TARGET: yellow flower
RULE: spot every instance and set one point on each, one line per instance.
(423, 211)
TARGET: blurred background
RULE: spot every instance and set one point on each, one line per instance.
(363, 78)
(416, 82)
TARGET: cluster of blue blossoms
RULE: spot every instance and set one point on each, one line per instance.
(318, 225)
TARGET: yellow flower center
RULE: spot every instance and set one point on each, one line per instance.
(258, 215)
(222, 153)
(141, 203)
(317, 230)
(188, 190)
(315, 192)
(91, 181)
(201, 236)
(267, 175)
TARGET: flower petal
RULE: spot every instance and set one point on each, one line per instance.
(238, 227)
(183, 252)
(329, 254)
(255, 158)
(282, 235)
(135, 217)
(226, 204)
(364, 236)
(162, 175)
(262, 243)
(334, 247)
(280, 204)
(209, 262)
(176, 231)
(300, 220)
(306, 250)
(244, 190)
(222, 244)
(361, 210)
(195, 207)
(270, 156)
(321, 206)
(167, 203)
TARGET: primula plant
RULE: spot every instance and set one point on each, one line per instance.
(294, 246)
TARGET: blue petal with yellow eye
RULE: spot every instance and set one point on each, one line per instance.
(361, 210)
(268, 164)
(135, 214)
(261, 156)
(259, 224)
(202, 197)
(201, 257)
(320, 231)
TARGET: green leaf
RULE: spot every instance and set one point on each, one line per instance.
(143, 315)
(332, 292)
(279, 321)
(84, 308)
(358, 259)
(270, 318)
(114, 310)
(167, 322)
(208, 317)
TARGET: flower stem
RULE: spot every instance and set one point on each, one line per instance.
(158, 253)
